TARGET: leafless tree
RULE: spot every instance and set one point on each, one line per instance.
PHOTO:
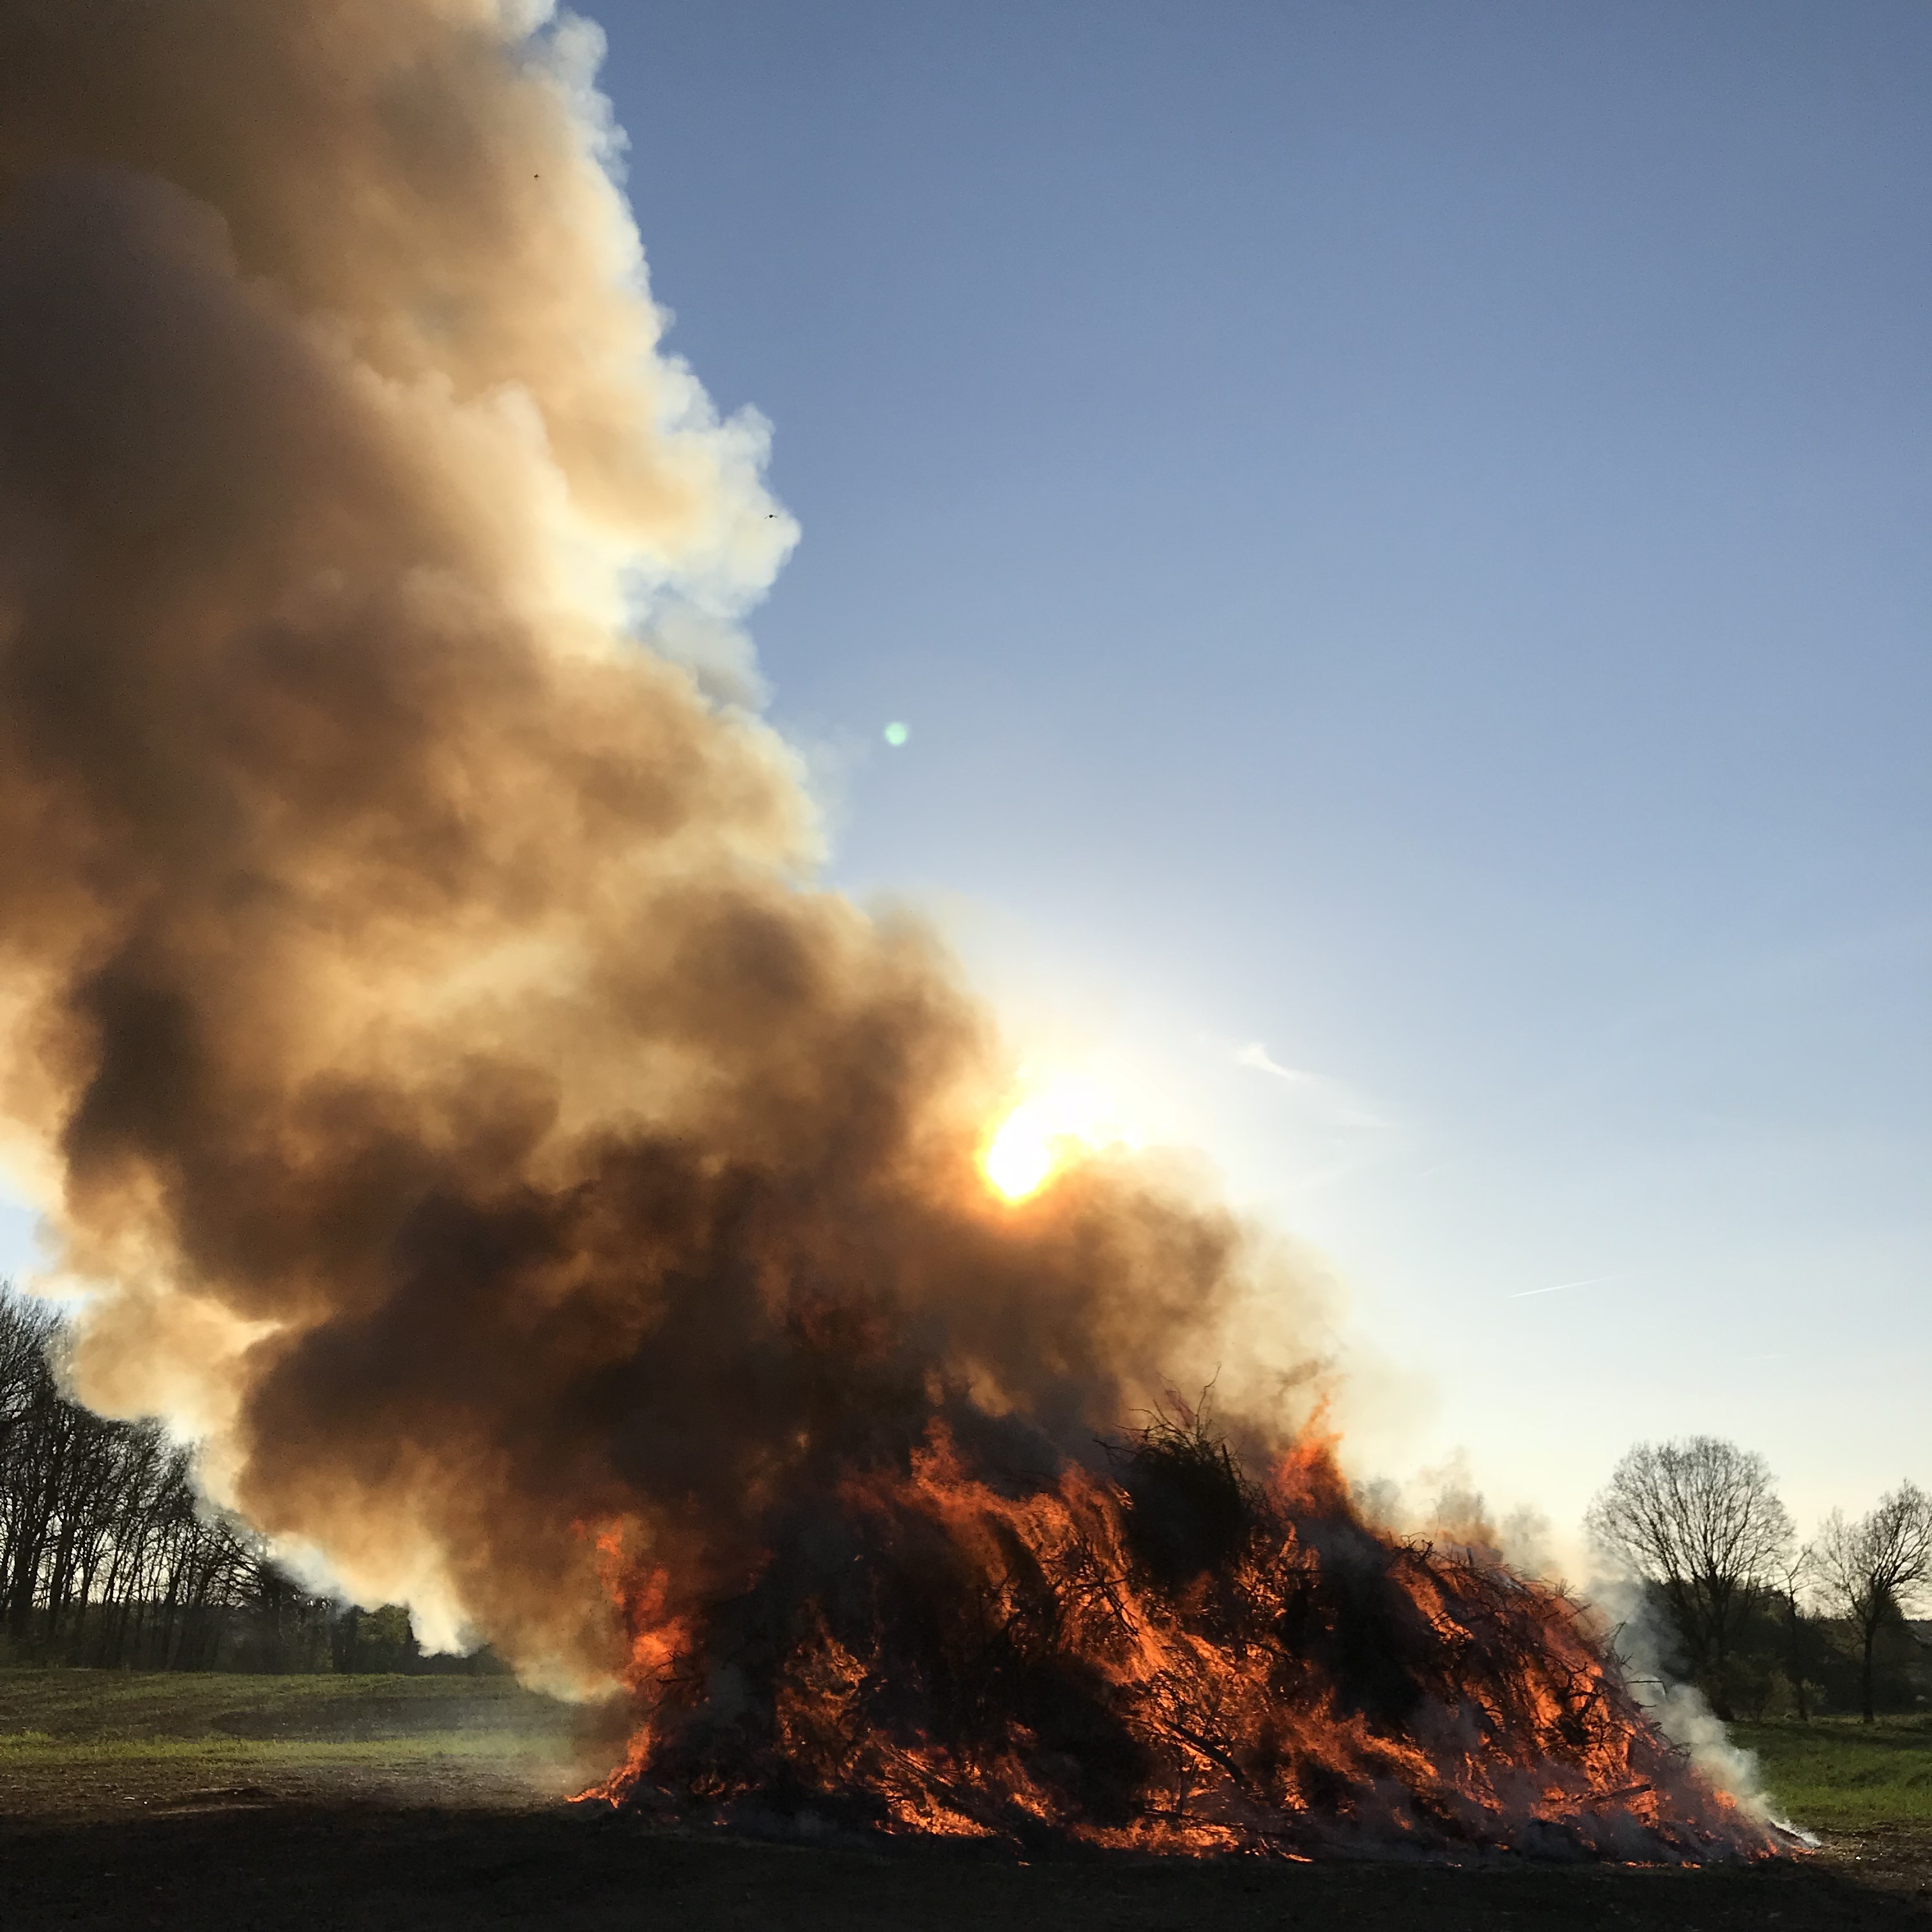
(1796, 1570)
(1700, 1521)
(108, 1554)
(1876, 1569)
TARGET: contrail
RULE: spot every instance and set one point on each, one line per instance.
(1557, 1288)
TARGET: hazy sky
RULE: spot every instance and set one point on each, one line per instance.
(1398, 535)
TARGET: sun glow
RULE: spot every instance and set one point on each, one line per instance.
(1046, 1132)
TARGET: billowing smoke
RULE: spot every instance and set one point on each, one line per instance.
(419, 1018)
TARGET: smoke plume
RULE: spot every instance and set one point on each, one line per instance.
(418, 1015)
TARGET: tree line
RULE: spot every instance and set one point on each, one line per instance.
(110, 1558)
(1763, 1624)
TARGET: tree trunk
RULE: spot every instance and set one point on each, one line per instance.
(1795, 1648)
(26, 1576)
(1865, 1676)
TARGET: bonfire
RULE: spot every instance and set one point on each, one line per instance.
(1164, 1656)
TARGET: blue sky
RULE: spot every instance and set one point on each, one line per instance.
(1397, 532)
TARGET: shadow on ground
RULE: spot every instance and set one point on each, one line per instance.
(223, 1861)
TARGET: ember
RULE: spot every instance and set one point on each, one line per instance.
(1169, 1657)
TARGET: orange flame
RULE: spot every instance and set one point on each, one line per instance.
(1313, 1685)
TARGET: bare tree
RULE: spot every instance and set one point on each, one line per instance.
(33, 1441)
(108, 1553)
(1699, 1521)
(1876, 1569)
(1796, 1569)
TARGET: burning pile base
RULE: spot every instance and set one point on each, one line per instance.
(1170, 1658)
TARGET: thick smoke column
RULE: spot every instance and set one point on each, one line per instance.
(417, 1012)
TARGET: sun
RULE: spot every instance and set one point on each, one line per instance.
(1052, 1127)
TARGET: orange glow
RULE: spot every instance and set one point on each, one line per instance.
(1233, 1700)
(1047, 1131)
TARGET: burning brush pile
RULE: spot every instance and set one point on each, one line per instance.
(1169, 1657)
(469, 1124)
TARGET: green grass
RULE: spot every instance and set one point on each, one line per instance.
(94, 1707)
(76, 1740)
(1845, 1775)
(26, 1750)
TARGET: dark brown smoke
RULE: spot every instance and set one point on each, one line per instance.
(418, 1016)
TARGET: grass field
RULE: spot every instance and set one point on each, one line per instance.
(75, 1742)
(1842, 1775)
(228, 1804)
(139, 1708)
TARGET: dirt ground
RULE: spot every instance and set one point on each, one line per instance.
(224, 1863)
(376, 1815)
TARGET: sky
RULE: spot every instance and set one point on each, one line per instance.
(1396, 535)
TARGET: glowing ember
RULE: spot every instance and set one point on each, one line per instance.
(1168, 1656)
(1047, 1131)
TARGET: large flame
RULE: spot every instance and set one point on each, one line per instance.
(1170, 1658)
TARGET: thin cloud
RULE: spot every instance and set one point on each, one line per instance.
(1256, 1055)
(1332, 1100)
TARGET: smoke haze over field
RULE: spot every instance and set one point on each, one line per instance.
(419, 1017)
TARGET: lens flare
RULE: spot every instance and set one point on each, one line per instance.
(1048, 1130)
